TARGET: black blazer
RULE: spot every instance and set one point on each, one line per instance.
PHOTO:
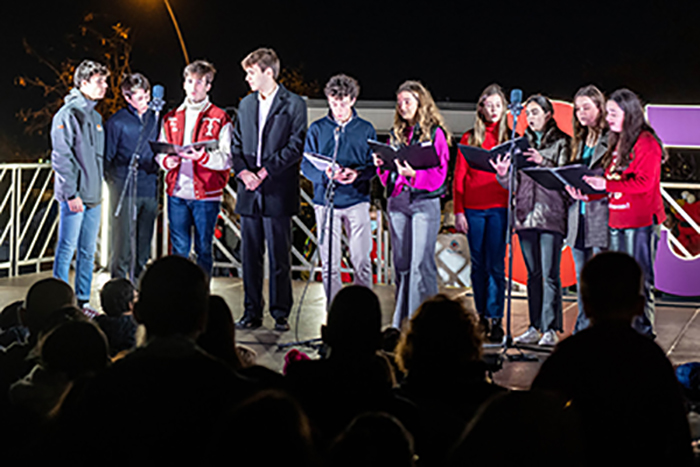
(282, 145)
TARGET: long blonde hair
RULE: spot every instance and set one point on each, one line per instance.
(427, 115)
(478, 133)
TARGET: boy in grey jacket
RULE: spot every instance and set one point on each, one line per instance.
(77, 139)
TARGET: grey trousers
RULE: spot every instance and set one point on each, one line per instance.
(542, 254)
(356, 221)
(414, 230)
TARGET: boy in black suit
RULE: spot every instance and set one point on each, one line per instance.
(267, 145)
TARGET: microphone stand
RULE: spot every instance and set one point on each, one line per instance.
(130, 184)
(315, 343)
(515, 109)
(328, 219)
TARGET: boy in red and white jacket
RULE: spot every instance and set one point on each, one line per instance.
(196, 178)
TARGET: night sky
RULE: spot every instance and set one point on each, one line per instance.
(455, 48)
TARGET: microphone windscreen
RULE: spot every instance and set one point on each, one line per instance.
(516, 96)
(158, 91)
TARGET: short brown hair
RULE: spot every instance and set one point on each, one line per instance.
(200, 68)
(342, 86)
(133, 81)
(264, 58)
(87, 69)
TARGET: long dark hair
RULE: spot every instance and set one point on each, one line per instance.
(478, 133)
(581, 132)
(545, 104)
(633, 125)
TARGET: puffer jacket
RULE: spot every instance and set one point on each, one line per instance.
(596, 217)
(535, 206)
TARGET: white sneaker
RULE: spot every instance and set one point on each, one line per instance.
(549, 339)
(531, 336)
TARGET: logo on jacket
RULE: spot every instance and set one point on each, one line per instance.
(210, 125)
(172, 121)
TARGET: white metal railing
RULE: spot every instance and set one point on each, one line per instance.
(29, 215)
(29, 228)
(302, 261)
(29, 219)
(29, 223)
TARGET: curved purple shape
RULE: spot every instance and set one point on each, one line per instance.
(675, 125)
(675, 275)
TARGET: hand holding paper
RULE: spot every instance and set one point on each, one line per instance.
(191, 153)
(576, 194)
(597, 182)
(501, 165)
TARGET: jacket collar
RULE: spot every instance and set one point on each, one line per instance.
(330, 118)
(201, 106)
(600, 149)
(551, 133)
(80, 99)
(278, 101)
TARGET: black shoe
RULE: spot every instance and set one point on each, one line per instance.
(484, 326)
(248, 324)
(496, 335)
(282, 325)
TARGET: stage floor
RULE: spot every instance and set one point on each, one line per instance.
(678, 324)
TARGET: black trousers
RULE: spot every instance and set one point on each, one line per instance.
(277, 232)
(122, 232)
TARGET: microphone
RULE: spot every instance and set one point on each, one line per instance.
(157, 103)
(516, 102)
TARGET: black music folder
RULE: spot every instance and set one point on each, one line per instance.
(418, 156)
(479, 158)
(556, 178)
(159, 147)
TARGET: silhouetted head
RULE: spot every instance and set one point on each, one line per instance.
(442, 334)
(173, 298)
(373, 439)
(75, 348)
(611, 288)
(354, 322)
(117, 297)
(286, 442)
(552, 427)
(219, 337)
(43, 298)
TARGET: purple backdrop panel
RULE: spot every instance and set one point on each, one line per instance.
(676, 125)
(675, 275)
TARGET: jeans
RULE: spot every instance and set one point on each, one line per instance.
(581, 255)
(77, 231)
(487, 249)
(183, 214)
(542, 254)
(414, 230)
(357, 225)
(640, 243)
(123, 232)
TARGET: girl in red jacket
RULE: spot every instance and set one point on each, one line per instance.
(480, 207)
(633, 183)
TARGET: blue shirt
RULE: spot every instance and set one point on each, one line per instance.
(123, 130)
(586, 156)
(353, 153)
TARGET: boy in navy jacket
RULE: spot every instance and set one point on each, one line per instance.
(352, 181)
